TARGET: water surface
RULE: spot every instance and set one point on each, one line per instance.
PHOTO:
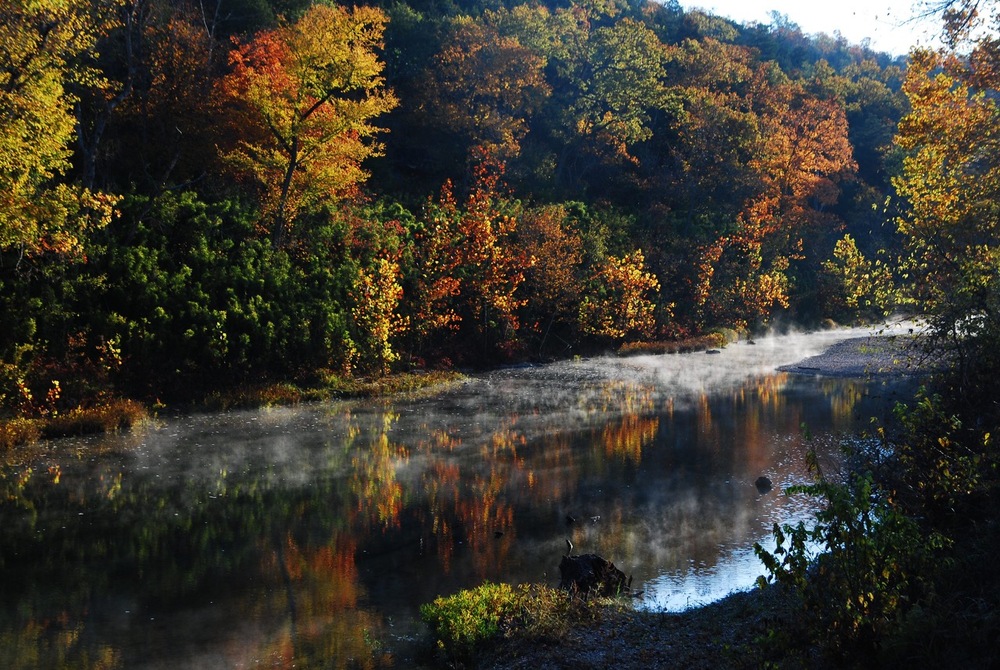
(308, 537)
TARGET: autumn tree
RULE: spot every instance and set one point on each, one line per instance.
(471, 270)
(484, 87)
(304, 97)
(169, 119)
(552, 284)
(800, 158)
(951, 183)
(618, 304)
(39, 43)
(856, 285)
(377, 293)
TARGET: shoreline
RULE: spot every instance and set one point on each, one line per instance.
(871, 356)
(725, 633)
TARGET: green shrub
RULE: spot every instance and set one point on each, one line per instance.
(465, 622)
(462, 621)
(869, 568)
(940, 462)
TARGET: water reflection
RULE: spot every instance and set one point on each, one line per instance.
(308, 537)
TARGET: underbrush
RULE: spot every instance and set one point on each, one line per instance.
(898, 567)
(712, 340)
(110, 416)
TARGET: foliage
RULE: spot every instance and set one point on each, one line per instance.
(951, 228)
(868, 569)
(376, 297)
(857, 286)
(940, 462)
(462, 624)
(484, 87)
(196, 291)
(470, 617)
(303, 97)
(470, 271)
(620, 307)
(39, 41)
(237, 140)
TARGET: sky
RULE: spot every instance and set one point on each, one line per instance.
(887, 23)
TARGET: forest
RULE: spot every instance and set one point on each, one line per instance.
(203, 196)
(213, 194)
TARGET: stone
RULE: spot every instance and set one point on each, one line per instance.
(590, 574)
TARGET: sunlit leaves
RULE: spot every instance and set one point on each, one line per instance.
(950, 179)
(472, 271)
(620, 303)
(39, 39)
(377, 293)
(305, 96)
(860, 286)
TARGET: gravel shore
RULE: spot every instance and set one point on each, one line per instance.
(874, 356)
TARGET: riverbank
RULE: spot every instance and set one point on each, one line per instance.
(729, 634)
(106, 416)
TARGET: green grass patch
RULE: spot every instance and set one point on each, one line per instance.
(464, 624)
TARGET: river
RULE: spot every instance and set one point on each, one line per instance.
(308, 537)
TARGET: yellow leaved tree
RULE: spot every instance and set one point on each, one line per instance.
(39, 212)
(302, 99)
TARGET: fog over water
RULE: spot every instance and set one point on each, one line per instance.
(311, 535)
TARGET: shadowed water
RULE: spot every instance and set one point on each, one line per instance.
(308, 537)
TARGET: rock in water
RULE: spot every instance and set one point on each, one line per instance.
(763, 484)
(591, 574)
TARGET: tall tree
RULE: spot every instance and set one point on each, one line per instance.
(303, 98)
(39, 42)
(951, 183)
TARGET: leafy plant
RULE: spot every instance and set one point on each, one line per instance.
(462, 623)
(469, 617)
(857, 567)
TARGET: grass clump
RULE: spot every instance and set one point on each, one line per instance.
(19, 431)
(108, 417)
(466, 623)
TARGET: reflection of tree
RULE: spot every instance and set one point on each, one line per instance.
(482, 515)
(323, 624)
(292, 555)
(629, 435)
(20, 648)
(373, 477)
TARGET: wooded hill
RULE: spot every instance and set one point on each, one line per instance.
(255, 189)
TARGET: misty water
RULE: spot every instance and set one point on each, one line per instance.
(308, 537)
